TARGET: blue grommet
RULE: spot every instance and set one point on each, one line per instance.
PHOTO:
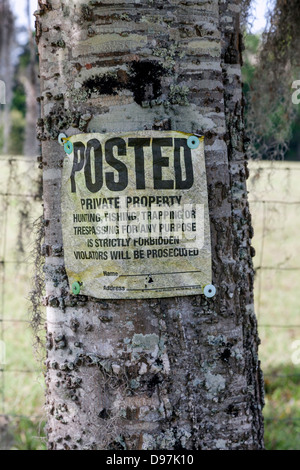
(68, 147)
(62, 138)
(209, 291)
(193, 142)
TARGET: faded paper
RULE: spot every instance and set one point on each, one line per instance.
(135, 215)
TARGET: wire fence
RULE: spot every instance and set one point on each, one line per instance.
(21, 388)
(273, 195)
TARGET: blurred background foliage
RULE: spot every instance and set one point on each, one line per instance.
(271, 65)
(19, 71)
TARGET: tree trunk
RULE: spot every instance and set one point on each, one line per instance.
(164, 373)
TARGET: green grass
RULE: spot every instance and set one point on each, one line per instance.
(28, 435)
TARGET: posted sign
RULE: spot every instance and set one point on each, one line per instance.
(135, 215)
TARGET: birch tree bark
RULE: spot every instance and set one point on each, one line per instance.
(177, 373)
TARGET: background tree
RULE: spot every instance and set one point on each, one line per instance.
(272, 118)
(151, 374)
(31, 85)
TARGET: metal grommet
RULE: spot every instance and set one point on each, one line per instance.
(193, 142)
(61, 138)
(68, 147)
(76, 288)
(209, 291)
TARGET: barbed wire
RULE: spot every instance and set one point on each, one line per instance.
(6, 259)
(14, 195)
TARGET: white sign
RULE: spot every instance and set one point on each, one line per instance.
(135, 215)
